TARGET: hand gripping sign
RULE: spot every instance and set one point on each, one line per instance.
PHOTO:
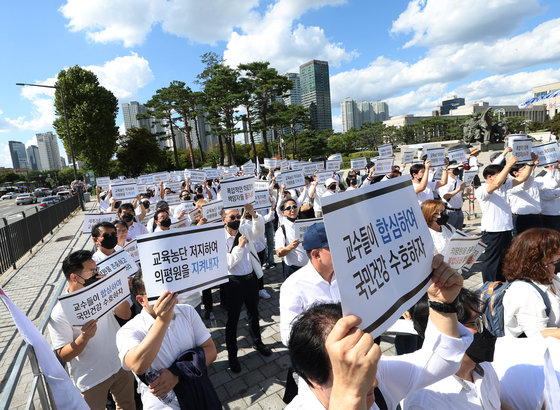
(548, 153)
(382, 259)
(301, 225)
(184, 260)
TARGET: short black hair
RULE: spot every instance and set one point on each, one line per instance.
(516, 168)
(285, 201)
(309, 356)
(138, 286)
(127, 206)
(414, 169)
(160, 211)
(121, 222)
(105, 224)
(492, 169)
(74, 263)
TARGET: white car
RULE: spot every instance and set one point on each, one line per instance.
(9, 195)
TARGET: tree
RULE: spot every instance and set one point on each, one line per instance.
(343, 143)
(209, 59)
(138, 150)
(313, 143)
(92, 112)
(298, 118)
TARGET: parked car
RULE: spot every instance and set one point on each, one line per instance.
(64, 194)
(39, 193)
(9, 195)
(48, 201)
(26, 199)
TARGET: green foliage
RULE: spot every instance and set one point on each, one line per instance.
(10, 177)
(138, 151)
(343, 143)
(555, 123)
(366, 154)
(313, 144)
(92, 111)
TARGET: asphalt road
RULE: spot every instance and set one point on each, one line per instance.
(8, 206)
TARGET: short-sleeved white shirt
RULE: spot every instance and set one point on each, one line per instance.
(99, 360)
(456, 201)
(297, 257)
(136, 229)
(426, 194)
(186, 331)
(496, 212)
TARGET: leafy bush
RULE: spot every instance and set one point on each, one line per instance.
(366, 154)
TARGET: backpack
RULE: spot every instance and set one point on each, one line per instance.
(491, 300)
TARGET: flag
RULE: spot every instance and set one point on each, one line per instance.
(66, 395)
(258, 165)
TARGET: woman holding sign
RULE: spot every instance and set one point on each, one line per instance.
(436, 217)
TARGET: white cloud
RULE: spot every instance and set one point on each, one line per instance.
(436, 22)
(5, 157)
(337, 123)
(32, 141)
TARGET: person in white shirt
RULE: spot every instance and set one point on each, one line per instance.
(162, 220)
(91, 349)
(122, 233)
(420, 180)
(497, 223)
(452, 194)
(550, 200)
(437, 219)
(316, 191)
(127, 214)
(161, 205)
(156, 338)
(331, 187)
(104, 236)
(186, 205)
(286, 244)
(347, 369)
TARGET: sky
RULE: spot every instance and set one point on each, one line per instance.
(407, 53)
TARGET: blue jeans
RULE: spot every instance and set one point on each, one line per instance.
(269, 249)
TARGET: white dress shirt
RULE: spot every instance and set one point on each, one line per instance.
(427, 193)
(99, 256)
(441, 239)
(399, 376)
(150, 225)
(301, 290)
(550, 199)
(456, 201)
(186, 331)
(453, 394)
(528, 201)
(525, 311)
(298, 256)
(239, 260)
(496, 213)
(136, 229)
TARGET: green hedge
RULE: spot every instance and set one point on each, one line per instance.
(366, 154)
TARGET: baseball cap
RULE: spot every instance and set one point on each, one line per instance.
(315, 237)
(161, 203)
(328, 182)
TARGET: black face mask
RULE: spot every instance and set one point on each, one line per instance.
(557, 267)
(109, 242)
(166, 223)
(146, 205)
(234, 225)
(90, 281)
(443, 219)
(456, 171)
(353, 181)
(291, 219)
(127, 217)
(482, 347)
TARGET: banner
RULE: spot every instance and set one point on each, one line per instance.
(132, 249)
(548, 153)
(195, 176)
(212, 211)
(103, 182)
(122, 192)
(383, 166)
(457, 155)
(358, 163)
(301, 225)
(408, 157)
(468, 177)
(90, 220)
(97, 299)
(385, 151)
(323, 176)
(459, 249)
(335, 157)
(382, 259)
(522, 150)
(184, 260)
(262, 200)
(332, 165)
(436, 156)
(238, 192)
(293, 179)
(212, 174)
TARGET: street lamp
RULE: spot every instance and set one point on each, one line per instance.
(500, 111)
(80, 199)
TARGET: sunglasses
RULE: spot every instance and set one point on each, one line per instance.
(290, 208)
(108, 235)
(480, 323)
(234, 217)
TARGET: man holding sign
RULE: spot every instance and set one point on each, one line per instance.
(420, 179)
(91, 349)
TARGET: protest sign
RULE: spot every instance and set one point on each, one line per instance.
(228, 175)
(173, 199)
(115, 261)
(262, 200)
(212, 211)
(438, 173)
(358, 163)
(181, 223)
(132, 249)
(212, 174)
(385, 151)
(436, 156)
(195, 213)
(97, 299)
(141, 188)
(522, 150)
(238, 192)
(459, 249)
(332, 165)
(309, 169)
(184, 260)
(296, 166)
(103, 182)
(233, 169)
(382, 260)
(480, 247)
(90, 220)
(123, 192)
(408, 157)
(195, 175)
(468, 177)
(548, 153)
(146, 179)
(515, 137)
(161, 177)
(260, 185)
(457, 155)
(270, 163)
(323, 176)
(335, 157)
(383, 166)
(301, 225)
(284, 165)
(248, 169)
(174, 186)
(293, 179)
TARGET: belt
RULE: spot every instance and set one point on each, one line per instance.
(454, 209)
(246, 277)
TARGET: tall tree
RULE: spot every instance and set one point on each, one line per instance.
(299, 119)
(209, 60)
(139, 149)
(92, 111)
(249, 116)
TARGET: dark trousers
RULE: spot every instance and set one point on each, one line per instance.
(552, 222)
(269, 250)
(524, 222)
(261, 255)
(497, 245)
(456, 219)
(289, 269)
(207, 300)
(240, 290)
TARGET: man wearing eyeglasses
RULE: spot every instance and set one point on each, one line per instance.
(244, 270)
(286, 244)
(104, 236)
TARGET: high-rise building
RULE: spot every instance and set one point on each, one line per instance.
(130, 111)
(48, 151)
(366, 111)
(381, 110)
(451, 104)
(351, 117)
(354, 114)
(316, 92)
(63, 162)
(19, 154)
(294, 95)
(34, 159)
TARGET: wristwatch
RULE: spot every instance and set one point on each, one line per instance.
(530, 164)
(442, 307)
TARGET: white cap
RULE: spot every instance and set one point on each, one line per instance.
(330, 181)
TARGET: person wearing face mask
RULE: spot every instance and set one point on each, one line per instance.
(184, 207)
(286, 244)
(437, 219)
(104, 236)
(127, 215)
(475, 385)
(331, 187)
(162, 221)
(91, 349)
(161, 205)
(452, 194)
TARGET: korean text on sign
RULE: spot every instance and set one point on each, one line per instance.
(548, 153)
(293, 179)
(90, 220)
(382, 259)
(436, 156)
(237, 192)
(212, 211)
(522, 150)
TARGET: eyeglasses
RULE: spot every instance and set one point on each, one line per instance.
(290, 208)
(121, 231)
(93, 271)
(480, 323)
(234, 217)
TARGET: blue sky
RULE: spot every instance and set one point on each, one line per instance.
(403, 52)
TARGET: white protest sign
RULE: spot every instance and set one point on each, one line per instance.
(335, 157)
(115, 262)
(436, 156)
(212, 174)
(146, 179)
(132, 249)
(548, 153)
(382, 260)
(174, 186)
(268, 163)
(141, 188)
(459, 249)
(296, 166)
(457, 155)
(309, 169)
(385, 151)
(301, 225)
(480, 247)
(522, 150)
(90, 220)
(248, 169)
(468, 177)
(383, 166)
(332, 165)
(262, 200)
(181, 223)
(233, 169)
(195, 175)
(284, 165)
(516, 137)
(408, 157)
(438, 173)
(183, 260)
(161, 177)
(195, 213)
(238, 192)
(293, 179)
(212, 211)
(97, 299)
(323, 176)
(103, 182)
(228, 175)
(122, 192)
(260, 185)
(358, 163)
(173, 199)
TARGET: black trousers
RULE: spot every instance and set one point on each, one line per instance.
(240, 290)
(524, 222)
(261, 255)
(498, 244)
(551, 222)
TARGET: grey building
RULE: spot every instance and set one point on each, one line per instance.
(63, 162)
(34, 158)
(130, 111)
(350, 114)
(354, 114)
(316, 92)
(48, 151)
(19, 154)
(452, 104)
(294, 95)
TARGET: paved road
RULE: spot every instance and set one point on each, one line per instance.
(8, 207)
